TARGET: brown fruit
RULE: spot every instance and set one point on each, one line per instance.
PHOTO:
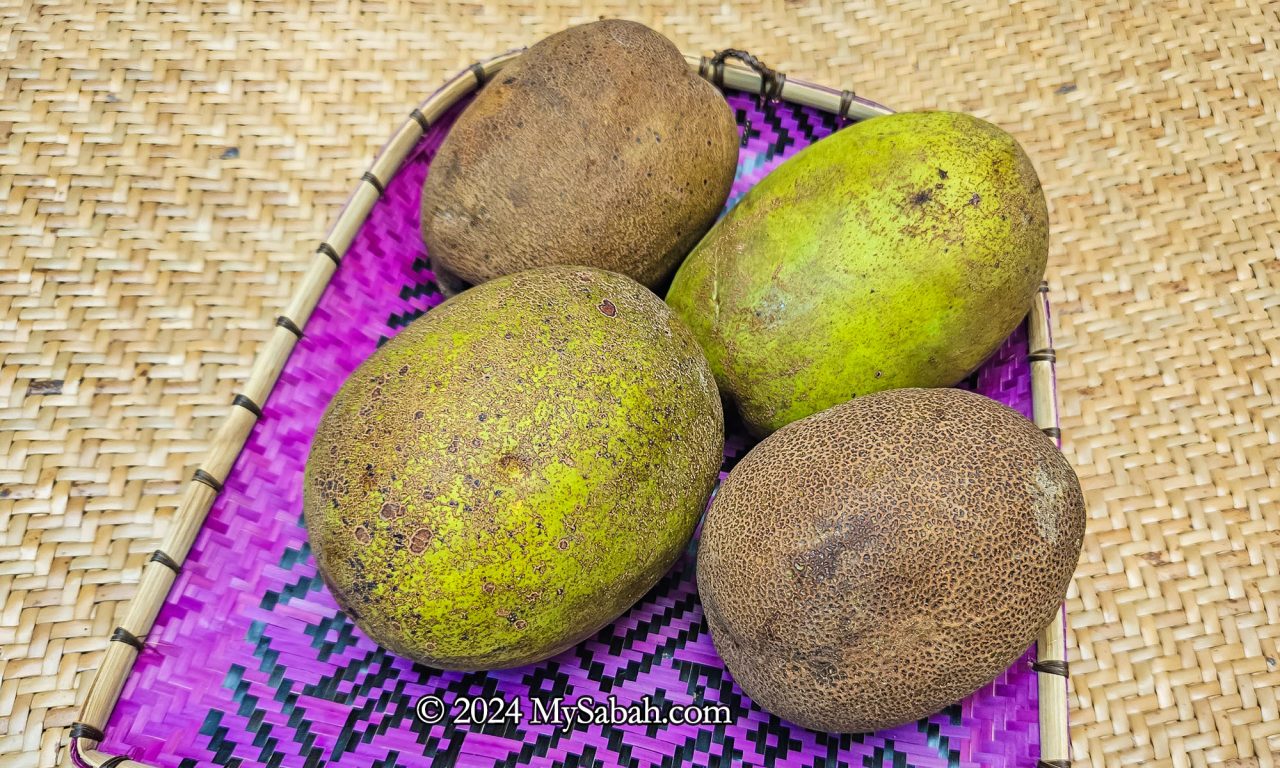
(597, 146)
(873, 563)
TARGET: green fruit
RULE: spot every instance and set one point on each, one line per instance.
(597, 146)
(871, 564)
(515, 469)
(898, 252)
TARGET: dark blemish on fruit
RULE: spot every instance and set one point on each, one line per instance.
(879, 374)
(508, 80)
(521, 624)
(362, 535)
(562, 545)
(404, 369)
(942, 174)
(975, 199)
(417, 415)
(483, 417)
(421, 538)
(389, 510)
(607, 308)
(921, 197)
(488, 587)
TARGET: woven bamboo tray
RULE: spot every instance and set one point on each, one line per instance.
(232, 652)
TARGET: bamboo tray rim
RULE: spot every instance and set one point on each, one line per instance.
(161, 570)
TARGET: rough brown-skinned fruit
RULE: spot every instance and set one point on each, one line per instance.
(597, 146)
(515, 469)
(873, 563)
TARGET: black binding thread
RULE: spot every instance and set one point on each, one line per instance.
(1053, 432)
(846, 101)
(122, 635)
(207, 479)
(477, 71)
(248, 405)
(1044, 355)
(374, 182)
(289, 326)
(771, 81)
(328, 250)
(420, 119)
(1044, 286)
(112, 762)
(86, 731)
(1053, 764)
(711, 73)
(159, 556)
(1051, 667)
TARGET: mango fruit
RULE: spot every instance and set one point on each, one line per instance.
(898, 252)
(515, 469)
(870, 564)
(598, 146)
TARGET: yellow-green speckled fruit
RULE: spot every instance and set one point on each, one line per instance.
(898, 252)
(515, 469)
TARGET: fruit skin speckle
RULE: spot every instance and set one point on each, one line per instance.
(866, 566)
(497, 542)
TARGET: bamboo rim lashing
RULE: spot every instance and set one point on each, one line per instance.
(161, 570)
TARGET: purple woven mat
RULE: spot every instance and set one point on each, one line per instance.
(251, 663)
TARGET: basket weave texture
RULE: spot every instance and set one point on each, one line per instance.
(167, 167)
(251, 659)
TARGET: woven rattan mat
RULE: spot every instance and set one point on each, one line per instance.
(168, 167)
